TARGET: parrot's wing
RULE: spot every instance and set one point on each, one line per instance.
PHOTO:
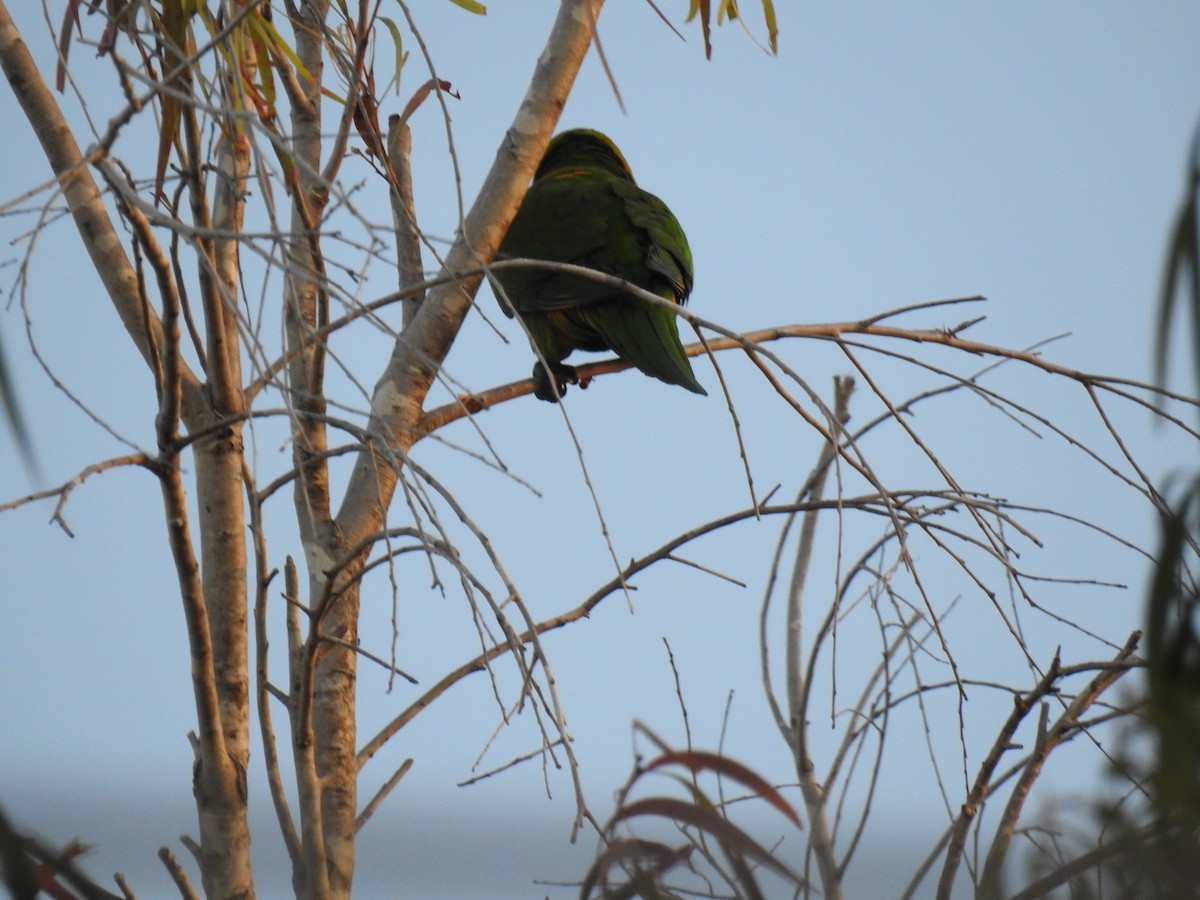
(577, 219)
(668, 255)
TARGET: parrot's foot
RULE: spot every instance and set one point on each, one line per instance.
(552, 384)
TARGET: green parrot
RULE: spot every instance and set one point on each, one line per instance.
(583, 207)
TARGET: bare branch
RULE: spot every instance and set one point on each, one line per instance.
(404, 215)
(263, 578)
(186, 891)
(80, 190)
(64, 490)
(1048, 738)
(797, 686)
(382, 794)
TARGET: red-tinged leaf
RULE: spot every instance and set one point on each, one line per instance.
(745, 878)
(76, 848)
(366, 121)
(702, 7)
(173, 28)
(70, 17)
(699, 760)
(49, 886)
(421, 94)
(731, 838)
(45, 873)
(728, 11)
(661, 858)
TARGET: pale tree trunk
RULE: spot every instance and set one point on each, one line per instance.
(213, 588)
(219, 458)
(213, 578)
(397, 407)
(322, 696)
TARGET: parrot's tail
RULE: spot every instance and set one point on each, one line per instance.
(646, 336)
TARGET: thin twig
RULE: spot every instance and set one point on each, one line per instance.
(287, 825)
(821, 841)
(186, 891)
(384, 790)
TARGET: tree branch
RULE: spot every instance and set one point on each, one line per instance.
(83, 197)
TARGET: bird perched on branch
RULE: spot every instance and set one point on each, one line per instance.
(584, 208)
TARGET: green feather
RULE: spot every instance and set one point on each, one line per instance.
(647, 337)
(584, 208)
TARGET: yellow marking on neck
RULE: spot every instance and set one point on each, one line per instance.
(572, 173)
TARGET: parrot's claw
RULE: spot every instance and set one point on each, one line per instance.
(551, 385)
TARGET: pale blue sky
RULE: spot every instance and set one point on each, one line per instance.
(891, 154)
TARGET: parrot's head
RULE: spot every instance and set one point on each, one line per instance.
(580, 151)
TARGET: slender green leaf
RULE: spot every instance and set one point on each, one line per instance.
(471, 6)
(1182, 268)
(12, 413)
(398, 43)
(772, 25)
